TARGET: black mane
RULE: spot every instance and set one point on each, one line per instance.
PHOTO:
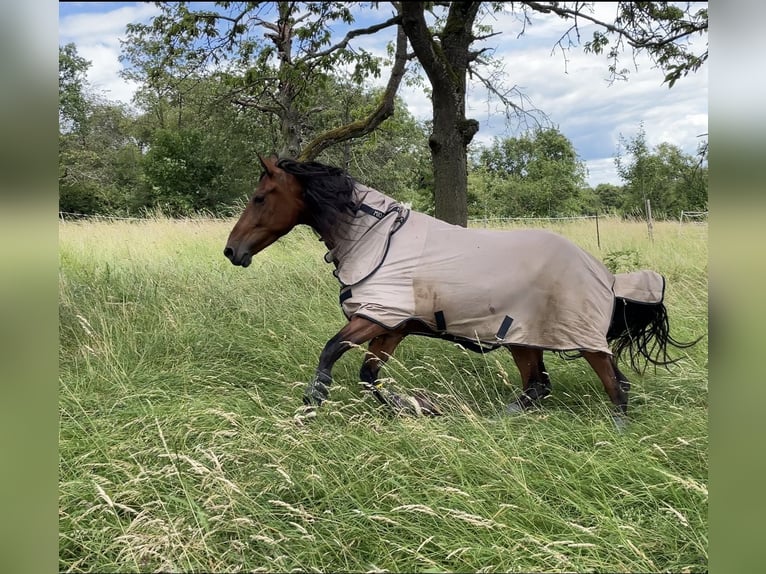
(327, 191)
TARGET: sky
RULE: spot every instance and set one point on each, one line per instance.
(571, 87)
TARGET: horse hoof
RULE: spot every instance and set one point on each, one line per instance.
(513, 409)
(427, 407)
(414, 406)
(305, 414)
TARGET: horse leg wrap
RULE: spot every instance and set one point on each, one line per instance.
(538, 390)
(318, 389)
(620, 422)
(531, 397)
(525, 401)
(624, 385)
(545, 382)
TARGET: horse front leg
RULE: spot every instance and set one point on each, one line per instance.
(356, 332)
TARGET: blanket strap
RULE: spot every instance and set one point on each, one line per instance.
(376, 213)
(504, 326)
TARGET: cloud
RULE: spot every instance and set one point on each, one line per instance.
(602, 170)
(577, 98)
(104, 27)
(97, 36)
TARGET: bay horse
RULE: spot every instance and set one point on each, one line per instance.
(405, 273)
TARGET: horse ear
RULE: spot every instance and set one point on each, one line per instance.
(266, 168)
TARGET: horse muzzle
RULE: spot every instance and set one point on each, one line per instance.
(242, 259)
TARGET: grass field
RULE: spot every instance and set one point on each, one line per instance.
(180, 376)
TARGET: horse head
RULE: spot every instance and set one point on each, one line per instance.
(273, 210)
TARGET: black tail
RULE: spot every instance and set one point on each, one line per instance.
(644, 331)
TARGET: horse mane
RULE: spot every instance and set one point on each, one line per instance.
(327, 191)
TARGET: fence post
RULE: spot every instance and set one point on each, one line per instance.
(649, 222)
(598, 235)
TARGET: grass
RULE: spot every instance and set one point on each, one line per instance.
(180, 376)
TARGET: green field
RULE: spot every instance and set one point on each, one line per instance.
(180, 376)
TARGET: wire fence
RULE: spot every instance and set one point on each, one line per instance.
(508, 219)
(694, 217)
(71, 216)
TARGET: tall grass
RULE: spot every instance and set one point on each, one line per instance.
(179, 450)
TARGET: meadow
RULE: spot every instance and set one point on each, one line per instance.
(180, 379)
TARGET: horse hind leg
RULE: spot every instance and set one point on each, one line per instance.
(615, 383)
(379, 351)
(536, 384)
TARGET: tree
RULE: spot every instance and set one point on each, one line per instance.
(272, 77)
(280, 75)
(99, 163)
(445, 60)
(671, 180)
(181, 175)
(536, 174)
(609, 197)
(73, 103)
(392, 158)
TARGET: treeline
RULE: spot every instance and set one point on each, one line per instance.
(539, 174)
(190, 150)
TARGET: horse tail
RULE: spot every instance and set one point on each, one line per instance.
(643, 331)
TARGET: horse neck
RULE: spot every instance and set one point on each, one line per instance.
(350, 228)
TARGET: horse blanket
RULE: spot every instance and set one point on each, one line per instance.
(521, 287)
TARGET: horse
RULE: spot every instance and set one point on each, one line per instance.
(406, 273)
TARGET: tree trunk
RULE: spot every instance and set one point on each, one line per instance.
(289, 118)
(446, 63)
(448, 142)
(289, 126)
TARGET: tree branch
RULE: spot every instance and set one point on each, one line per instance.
(519, 110)
(353, 34)
(414, 24)
(633, 40)
(364, 126)
(656, 27)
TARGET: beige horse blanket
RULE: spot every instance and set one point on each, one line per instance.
(522, 287)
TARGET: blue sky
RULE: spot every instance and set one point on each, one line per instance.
(572, 88)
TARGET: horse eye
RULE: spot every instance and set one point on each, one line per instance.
(258, 198)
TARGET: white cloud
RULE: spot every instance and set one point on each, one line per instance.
(97, 36)
(602, 170)
(104, 27)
